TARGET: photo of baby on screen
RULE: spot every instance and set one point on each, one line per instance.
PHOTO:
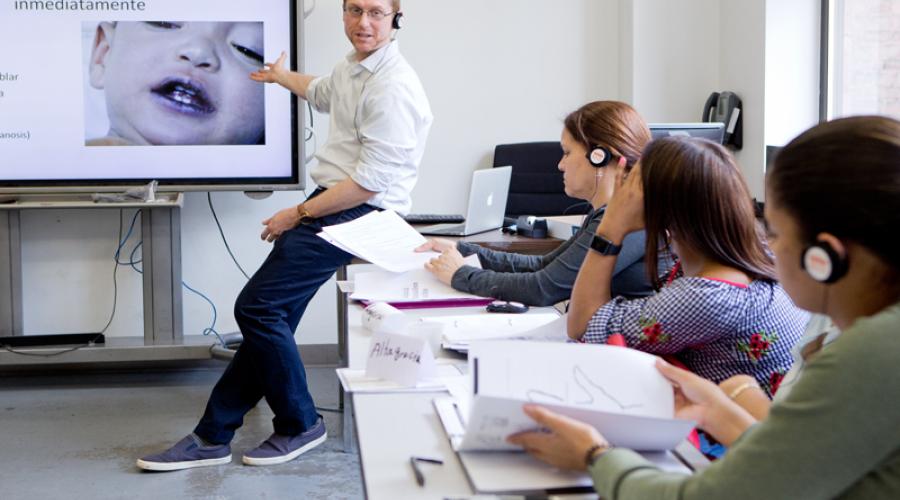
(173, 83)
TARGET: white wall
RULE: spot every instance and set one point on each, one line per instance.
(498, 71)
(742, 70)
(674, 57)
(674, 54)
(792, 68)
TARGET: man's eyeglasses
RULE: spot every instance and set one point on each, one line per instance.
(374, 14)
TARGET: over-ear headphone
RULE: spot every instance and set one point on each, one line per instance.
(397, 22)
(599, 156)
(822, 262)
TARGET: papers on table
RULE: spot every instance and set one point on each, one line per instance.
(490, 326)
(416, 285)
(382, 238)
(551, 327)
(448, 375)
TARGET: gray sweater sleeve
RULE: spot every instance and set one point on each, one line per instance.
(547, 279)
(835, 435)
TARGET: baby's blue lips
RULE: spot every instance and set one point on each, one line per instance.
(184, 96)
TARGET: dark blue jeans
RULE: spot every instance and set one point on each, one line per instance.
(268, 311)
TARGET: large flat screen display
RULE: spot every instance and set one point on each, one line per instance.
(97, 94)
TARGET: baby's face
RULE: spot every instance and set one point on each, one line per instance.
(181, 82)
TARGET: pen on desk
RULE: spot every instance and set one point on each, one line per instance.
(414, 463)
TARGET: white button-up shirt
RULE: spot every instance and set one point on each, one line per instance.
(380, 118)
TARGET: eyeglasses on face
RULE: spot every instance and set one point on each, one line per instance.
(374, 14)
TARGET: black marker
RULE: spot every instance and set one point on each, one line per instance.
(414, 463)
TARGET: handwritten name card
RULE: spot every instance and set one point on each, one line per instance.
(400, 358)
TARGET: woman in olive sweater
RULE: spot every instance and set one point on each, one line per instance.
(837, 434)
(595, 139)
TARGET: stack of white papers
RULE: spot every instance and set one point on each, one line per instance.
(536, 327)
(447, 374)
(458, 329)
(382, 238)
(416, 285)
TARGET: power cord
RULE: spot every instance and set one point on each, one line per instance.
(222, 233)
(211, 329)
(112, 313)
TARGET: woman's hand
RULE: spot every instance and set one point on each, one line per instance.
(702, 401)
(625, 210)
(566, 443)
(746, 392)
(271, 72)
(436, 245)
(445, 266)
(282, 221)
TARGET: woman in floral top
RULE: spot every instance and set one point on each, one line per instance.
(720, 312)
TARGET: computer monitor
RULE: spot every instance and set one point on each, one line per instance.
(714, 131)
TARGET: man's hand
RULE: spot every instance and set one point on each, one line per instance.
(271, 72)
(566, 443)
(282, 221)
(445, 266)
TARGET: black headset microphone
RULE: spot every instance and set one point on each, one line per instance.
(397, 21)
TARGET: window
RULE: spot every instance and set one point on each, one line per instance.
(861, 58)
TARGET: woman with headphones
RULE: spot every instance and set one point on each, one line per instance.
(596, 138)
(720, 311)
(836, 434)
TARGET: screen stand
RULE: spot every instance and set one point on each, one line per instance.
(161, 233)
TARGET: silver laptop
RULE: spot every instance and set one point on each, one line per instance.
(487, 204)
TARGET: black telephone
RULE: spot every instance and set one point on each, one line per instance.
(726, 107)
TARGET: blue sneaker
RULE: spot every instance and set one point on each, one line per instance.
(279, 449)
(187, 453)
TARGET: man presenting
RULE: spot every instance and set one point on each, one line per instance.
(379, 121)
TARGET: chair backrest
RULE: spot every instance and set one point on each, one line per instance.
(536, 187)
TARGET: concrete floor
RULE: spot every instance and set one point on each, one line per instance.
(77, 436)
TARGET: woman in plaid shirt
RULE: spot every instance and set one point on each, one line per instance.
(720, 312)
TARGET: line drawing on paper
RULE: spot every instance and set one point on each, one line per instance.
(589, 389)
(577, 370)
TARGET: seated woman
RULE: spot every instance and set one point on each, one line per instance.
(595, 138)
(835, 434)
(726, 315)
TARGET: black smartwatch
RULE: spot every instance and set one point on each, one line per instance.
(603, 246)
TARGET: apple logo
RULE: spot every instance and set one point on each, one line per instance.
(490, 200)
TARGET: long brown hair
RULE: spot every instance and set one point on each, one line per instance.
(843, 177)
(694, 189)
(612, 124)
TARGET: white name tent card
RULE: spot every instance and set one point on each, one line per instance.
(399, 358)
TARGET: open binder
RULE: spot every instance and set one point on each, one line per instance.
(616, 390)
(514, 472)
